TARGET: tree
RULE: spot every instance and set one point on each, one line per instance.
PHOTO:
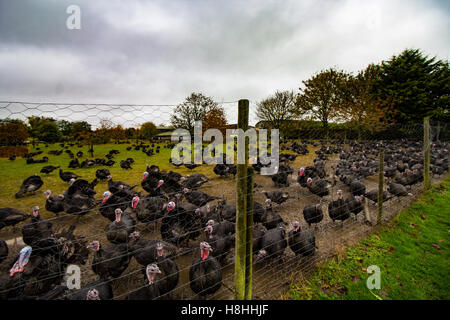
(65, 127)
(364, 109)
(322, 97)
(118, 133)
(195, 107)
(13, 132)
(49, 132)
(148, 130)
(276, 111)
(45, 129)
(419, 86)
(78, 128)
(215, 119)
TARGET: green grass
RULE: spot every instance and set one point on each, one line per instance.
(412, 252)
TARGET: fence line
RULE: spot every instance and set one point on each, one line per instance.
(259, 279)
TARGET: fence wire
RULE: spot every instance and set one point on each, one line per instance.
(337, 158)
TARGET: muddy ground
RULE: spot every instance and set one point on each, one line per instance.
(270, 281)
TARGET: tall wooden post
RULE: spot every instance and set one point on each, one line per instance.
(241, 208)
(426, 154)
(249, 237)
(380, 185)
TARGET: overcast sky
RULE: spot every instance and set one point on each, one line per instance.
(158, 52)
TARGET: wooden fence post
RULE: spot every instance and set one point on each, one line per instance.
(249, 237)
(426, 154)
(241, 209)
(380, 185)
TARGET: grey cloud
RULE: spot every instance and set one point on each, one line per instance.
(158, 52)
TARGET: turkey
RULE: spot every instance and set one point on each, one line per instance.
(49, 169)
(11, 217)
(270, 219)
(197, 197)
(116, 186)
(54, 204)
(29, 185)
(357, 188)
(373, 196)
(110, 261)
(120, 229)
(205, 273)
(398, 190)
(145, 251)
(301, 242)
(102, 174)
(273, 244)
(3, 250)
(169, 277)
(354, 204)
(97, 290)
(180, 223)
(313, 213)
(37, 229)
(338, 209)
(221, 245)
(111, 202)
(318, 187)
(151, 290)
(149, 209)
(194, 181)
(67, 176)
(276, 196)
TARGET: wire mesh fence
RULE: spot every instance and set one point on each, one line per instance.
(113, 249)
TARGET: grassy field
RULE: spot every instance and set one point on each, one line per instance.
(12, 173)
(412, 252)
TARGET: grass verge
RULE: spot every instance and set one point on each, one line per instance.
(412, 252)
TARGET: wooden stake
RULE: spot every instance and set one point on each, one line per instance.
(241, 209)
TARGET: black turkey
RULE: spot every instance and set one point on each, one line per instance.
(355, 204)
(145, 251)
(67, 176)
(338, 209)
(301, 242)
(49, 169)
(37, 229)
(273, 244)
(29, 185)
(170, 273)
(151, 290)
(54, 204)
(398, 190)
(102, 174)
(194, 181)
(110, 261)
(357, 188)
(276, 196)
(318, 187)
(120, 229)
(181, 223)
(198, 198)
(313, 213)
(97, 290)
(11, 217)
(205, 273)
(3, 250)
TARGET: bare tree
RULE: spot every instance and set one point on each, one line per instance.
(194, 108)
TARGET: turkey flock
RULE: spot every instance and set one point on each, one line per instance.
(185, 221)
